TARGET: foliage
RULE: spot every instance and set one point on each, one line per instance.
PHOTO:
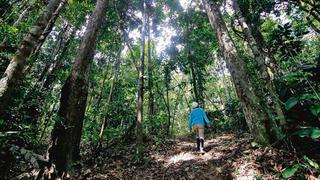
(288, 172)
(186, 66)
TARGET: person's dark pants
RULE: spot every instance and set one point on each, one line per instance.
(199, 130)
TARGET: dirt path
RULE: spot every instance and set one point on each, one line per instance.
(228, 157)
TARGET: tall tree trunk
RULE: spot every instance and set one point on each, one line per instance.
(58, 65)
(200, 83)
(101, 93)
(190, 59)
(254, 30)
(194, 80)
(48, 120)
(257, 118)
(178, 101)
(268, 91)
(115, 73)
(66, 134)
(168, 109)
(49, 27)
(139, 129)
(54, 55)
(31, 40)
(150, 69)
(42, 39)
(106, 111)
(54, 52)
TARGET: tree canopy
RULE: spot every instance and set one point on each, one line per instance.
(98, 89)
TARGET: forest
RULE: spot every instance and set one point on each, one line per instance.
(106, 89)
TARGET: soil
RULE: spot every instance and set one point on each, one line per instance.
(228, 156)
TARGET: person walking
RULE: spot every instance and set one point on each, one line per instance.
(197, 122)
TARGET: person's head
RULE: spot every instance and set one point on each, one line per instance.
(195, 104)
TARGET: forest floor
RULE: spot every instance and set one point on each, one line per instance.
(228, 156)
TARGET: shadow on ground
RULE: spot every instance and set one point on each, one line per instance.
(174, 159)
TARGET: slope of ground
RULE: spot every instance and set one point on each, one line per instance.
(228, 156)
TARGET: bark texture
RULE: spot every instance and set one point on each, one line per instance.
(139, 129)
(267, 89)
(35, 36)
(150, 69)
(257, 118)
(66, 134)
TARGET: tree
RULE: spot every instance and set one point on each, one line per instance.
(141, 81)
(150, 67)
(268, 91)
(115, 74)
(36, 36)
(250, 20)
(66, 135)
(261, 124)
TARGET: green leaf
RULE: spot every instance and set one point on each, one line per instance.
(254, 144)
(315, 109)
(308, 96)
(290, 171)
(311, 132)
(315, 134)
(303, 132)
(312, 163)
(291, 102)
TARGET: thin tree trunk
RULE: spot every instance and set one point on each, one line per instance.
(259, 41)
(194, 81)
(13, 72)
(54, 53)
(21, 16)
(165, 97)
(53, 71)
(90, 96)
(256, 117)
(132, 56)
(43, 37)
(49, 117)
(49, 28)
(66, 135)
(141, 83)
(116, 67)
(150, 78)
(200, 86)
(168, 110)
(102, 87)
(105, 117)
(190, 60)
(178, 100)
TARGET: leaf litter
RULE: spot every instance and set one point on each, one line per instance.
(228, 156)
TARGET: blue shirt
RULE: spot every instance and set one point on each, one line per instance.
(198, 116)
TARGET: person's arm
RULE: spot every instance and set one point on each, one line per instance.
(190, 122)
(205, 117)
